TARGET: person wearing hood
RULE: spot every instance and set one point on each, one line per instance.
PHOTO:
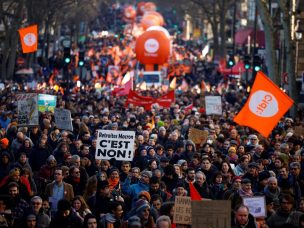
(5, 164)
(190, 149)
(22, 162)
(114, 218)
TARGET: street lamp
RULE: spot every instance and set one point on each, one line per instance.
(298, 31)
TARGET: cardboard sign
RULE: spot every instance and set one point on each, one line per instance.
(211, 213)
(115, 144)
(63, 119)
(197, 136)
(46, 103)
(27, 109)
(256, 205)
(182, 210)
(299, 130)
(213, 105)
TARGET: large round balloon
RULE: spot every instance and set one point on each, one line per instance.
(152, 19)
(152, 47)
(159, 28)
(129, 13)
(149, 6)
(141, 8)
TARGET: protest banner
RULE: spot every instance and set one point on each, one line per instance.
(164, 101)
(213, 105)
(256, 205)
(115, 144)
(46, 103)
(182, 210)
(211, 213)
(197, 136)
(63, 119)
(27, 109)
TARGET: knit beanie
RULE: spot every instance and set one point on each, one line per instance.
(145, 194)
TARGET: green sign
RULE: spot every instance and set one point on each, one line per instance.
(46, 103)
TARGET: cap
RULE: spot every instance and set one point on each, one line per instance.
(31, 217)
(4, 142)
(246, 181)
(181, 161)
(164, 159)
(295, 165)
(134, 221)
(147, 173)
(233, 142)
(141, 204)
(145, 194)
(253, 165)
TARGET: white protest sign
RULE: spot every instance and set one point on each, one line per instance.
(115, 144)
(213, 105)
(256, 205)
(27, 104)
(63, 119)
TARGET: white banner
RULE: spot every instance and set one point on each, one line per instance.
(213, 105)
(63, 119)
(115, 144)
(27, 109)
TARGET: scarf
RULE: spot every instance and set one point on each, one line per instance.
(76, 180)
(113, 183)
(244, 194)
(273, 195)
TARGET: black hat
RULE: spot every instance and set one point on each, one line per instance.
(246, 181)
(102, 184)
(63, 205)
(164, 159)
(264, 175)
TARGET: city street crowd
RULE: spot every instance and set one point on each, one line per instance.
(50, 177)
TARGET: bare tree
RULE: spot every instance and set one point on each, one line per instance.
(11, 17)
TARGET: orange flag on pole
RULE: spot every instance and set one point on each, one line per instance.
(29, 38)
(265, 106)
(194, 193)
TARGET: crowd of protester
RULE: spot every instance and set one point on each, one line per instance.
(50, 177)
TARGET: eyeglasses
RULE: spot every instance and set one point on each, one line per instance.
(254, 139)
(77, 172)
(36, 203)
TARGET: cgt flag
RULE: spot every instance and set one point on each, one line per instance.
(265, 106)
(29, 38)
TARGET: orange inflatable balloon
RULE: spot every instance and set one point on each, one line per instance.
(141, 8)
(152, 47)
(152, 19)
(130, 13)
(149, 6)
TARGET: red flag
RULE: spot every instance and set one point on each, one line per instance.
(29, 38)
(265, 106)
(124, 90)
(194, 193)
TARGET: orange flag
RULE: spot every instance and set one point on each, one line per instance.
(194, 193)
(29, 38)
(265, 106)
